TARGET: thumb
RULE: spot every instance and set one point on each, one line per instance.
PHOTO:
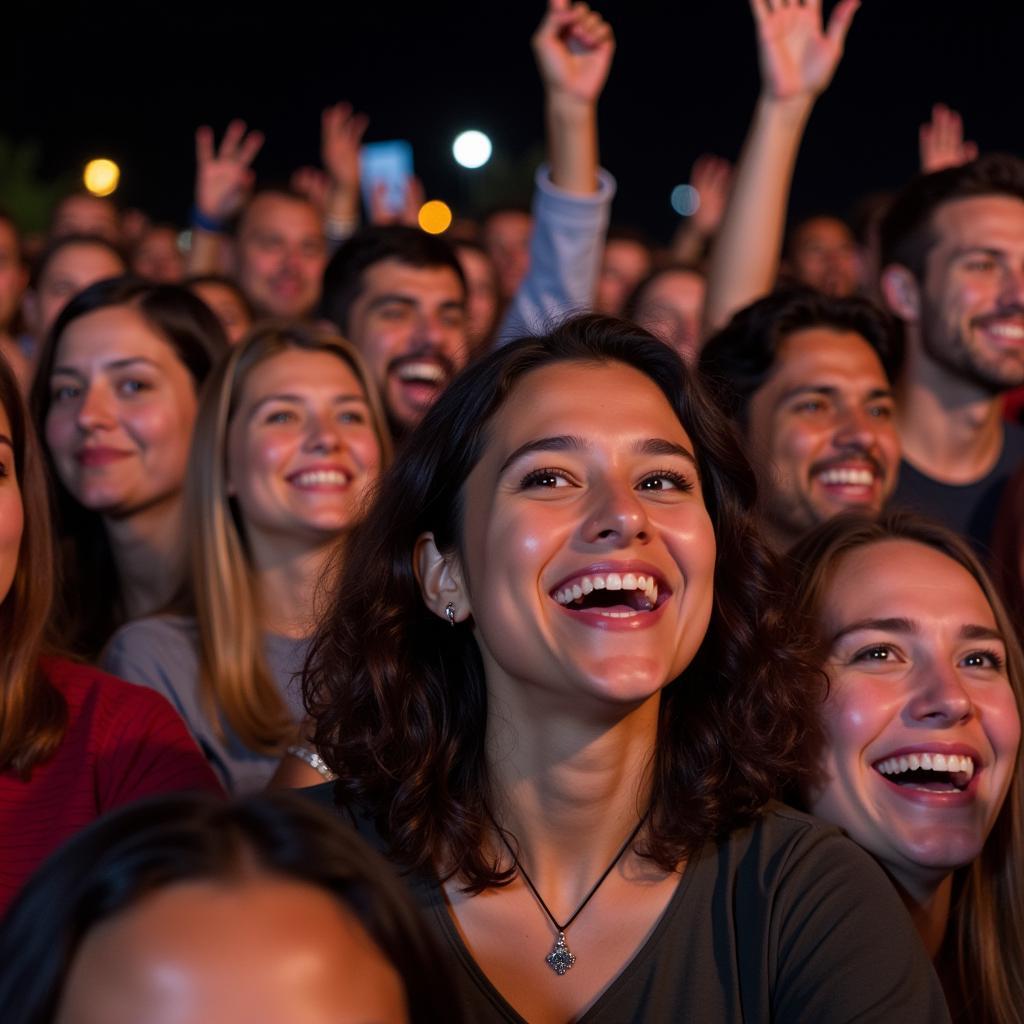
(840, 20)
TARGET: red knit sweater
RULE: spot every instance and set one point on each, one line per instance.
(123, 742)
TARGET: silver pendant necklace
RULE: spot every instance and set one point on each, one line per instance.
(561, 958)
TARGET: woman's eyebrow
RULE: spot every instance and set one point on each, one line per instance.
(893, 625)
(661, 446)
(559, 443)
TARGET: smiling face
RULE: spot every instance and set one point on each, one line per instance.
(281, 254)
(11, 511)
(588, 554)
(671, 307)
(256, 951)
(922, 724)
(973, 292)
(409, 324)
(821, 432)
(301, 450)
(121, 411)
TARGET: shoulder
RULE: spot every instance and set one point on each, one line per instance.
(92, 691)
(1013, 442)
(153, 651)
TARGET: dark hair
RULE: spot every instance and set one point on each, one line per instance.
(221, 281)
(147, 846)
(400, 698)
(739, 358)
(343, 278)
(632, 305)
(33, 712)
(58, 245)
(906, 230)
(89, 588)
(987, 907)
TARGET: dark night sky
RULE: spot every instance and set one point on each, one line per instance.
(133, 80)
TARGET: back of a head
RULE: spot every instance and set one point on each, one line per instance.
(343, 278)
(152, 846)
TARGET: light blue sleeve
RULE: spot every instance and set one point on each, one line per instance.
(565, 256)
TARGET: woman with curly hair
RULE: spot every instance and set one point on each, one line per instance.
(554, 690)
(923, 723)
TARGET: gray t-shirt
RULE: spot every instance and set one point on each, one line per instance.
(786, 921)
(162, 653)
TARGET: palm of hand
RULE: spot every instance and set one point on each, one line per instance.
(221, 186)
(797, 57)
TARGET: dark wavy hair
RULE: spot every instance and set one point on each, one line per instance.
(987, 914)
(89, 593)
(400, 699)
(739, 358)
(150, 845)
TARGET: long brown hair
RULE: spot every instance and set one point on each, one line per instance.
(33, 714)
(221, 591)
(400, 698)
(985, 936)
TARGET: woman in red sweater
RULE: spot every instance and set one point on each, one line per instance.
(74, 742)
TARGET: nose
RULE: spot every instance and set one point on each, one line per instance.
(856, 428)
(1012, 293)
(616, 517)
(95, 408)
(324, 433)
(940, 697)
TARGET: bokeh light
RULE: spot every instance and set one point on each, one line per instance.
(472, 149)
(435, 217)
(685, 200)
(101, 176)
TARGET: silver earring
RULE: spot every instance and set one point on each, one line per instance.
(450, 612)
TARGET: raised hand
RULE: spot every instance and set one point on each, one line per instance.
(314, 184)
(224, 177)
(341, 134)
(711, 176)
(942, 142)
(798, 57)
(573, 47)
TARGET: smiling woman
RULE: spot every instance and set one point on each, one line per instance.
(289, 440)
(554, 688)
(923, 722)
(115, 397)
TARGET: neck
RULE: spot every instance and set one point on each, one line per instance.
(928, 904)
(147, 554)
(569, 791)
(287, 584)
(951, 428)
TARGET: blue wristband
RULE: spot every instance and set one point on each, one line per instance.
(199, 220)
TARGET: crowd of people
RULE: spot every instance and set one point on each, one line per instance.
(527, 622)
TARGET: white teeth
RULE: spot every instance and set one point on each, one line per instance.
(317, 477)
(1004, 330)
(426, 370)
(647, 585)
(955, 764)
(857, 477)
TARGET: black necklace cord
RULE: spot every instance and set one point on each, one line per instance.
(597, 885)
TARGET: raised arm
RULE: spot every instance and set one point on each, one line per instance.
(573, 47)
(798, 57)
(711, 177)
(224, 178)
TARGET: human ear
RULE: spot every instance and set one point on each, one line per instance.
(440, 578)
(901, 292)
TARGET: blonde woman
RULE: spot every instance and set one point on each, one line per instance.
(289, 439)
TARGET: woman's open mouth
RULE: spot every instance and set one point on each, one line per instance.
(612, 595)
